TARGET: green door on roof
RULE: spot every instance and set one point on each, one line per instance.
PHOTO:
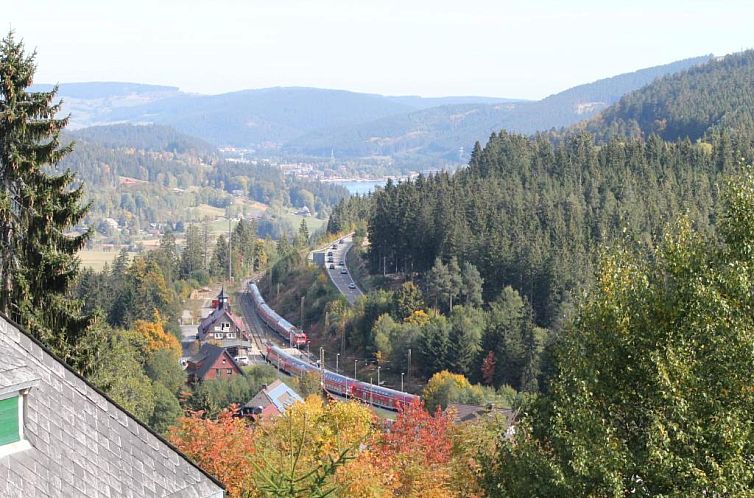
(9, 432)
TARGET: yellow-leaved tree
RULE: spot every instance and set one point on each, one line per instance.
(446, 387)
(156, 336)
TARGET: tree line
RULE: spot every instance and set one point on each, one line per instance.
(533, 214)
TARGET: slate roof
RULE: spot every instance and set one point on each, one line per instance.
(277, 394)
(202, 362)
(83, 443)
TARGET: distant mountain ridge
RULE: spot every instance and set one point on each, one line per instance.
(317, 122)
(151, 138)
(442, 131)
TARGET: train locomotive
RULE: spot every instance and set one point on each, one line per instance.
(294, 335)
(340, 384)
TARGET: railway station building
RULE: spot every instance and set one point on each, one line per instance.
(224, 328)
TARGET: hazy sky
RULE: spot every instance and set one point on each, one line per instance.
(524, 49)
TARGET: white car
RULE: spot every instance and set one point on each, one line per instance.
(242, 360)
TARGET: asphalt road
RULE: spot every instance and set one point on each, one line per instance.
(342, 280)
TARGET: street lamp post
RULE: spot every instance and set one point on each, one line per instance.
(408, 370)
(322, 357)
(378, 375)
(337, 357)
(354, 368)
(401, 381)
(308, 355)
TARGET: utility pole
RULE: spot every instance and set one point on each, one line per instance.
(322, 365)
(230, 250)
(408, 376)
(302, 312)
(343, 340)
(378, 375)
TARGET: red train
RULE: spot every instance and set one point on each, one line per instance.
(340, 384)
(294, 335)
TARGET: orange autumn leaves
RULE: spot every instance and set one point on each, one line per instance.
(222, 447)
(155, 335)
(416, 456)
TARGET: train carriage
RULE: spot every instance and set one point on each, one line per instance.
(281, 326)
(333, 382)
(340, 384)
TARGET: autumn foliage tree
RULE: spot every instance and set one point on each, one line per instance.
(223, 447)
(300, 453)
(415, 453)
(446, 387)
(488, 368)
(156, 336)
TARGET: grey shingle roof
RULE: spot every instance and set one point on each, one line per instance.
(83, 444)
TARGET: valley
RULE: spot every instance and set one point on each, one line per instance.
(301, 250)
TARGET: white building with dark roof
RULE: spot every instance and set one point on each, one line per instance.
(61, 437)
(222, 325)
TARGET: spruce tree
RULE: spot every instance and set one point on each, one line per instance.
(38, 207)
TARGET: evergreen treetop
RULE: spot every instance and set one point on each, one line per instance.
(38, 208)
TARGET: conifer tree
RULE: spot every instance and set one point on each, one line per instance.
(302, 237)
(192, 257)
(218, 265)
(38, 207)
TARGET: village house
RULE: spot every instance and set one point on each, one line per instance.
(61, 436)
(222, 325)
(271, 401)
(211, 362)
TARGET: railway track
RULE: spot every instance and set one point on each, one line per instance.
(257, 330)
(261, 336)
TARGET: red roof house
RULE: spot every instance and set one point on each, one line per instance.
(212, 362)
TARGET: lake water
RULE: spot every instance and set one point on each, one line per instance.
(361, 187)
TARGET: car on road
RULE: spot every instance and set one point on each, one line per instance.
(352, 285)
(343, 271)
(341, 263)
(241, 360)
(329, 253)
(335, 246)
(332, 266)
(340, 241)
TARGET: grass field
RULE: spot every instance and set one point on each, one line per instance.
(313, 223)
(206, 211)
(97, 259)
